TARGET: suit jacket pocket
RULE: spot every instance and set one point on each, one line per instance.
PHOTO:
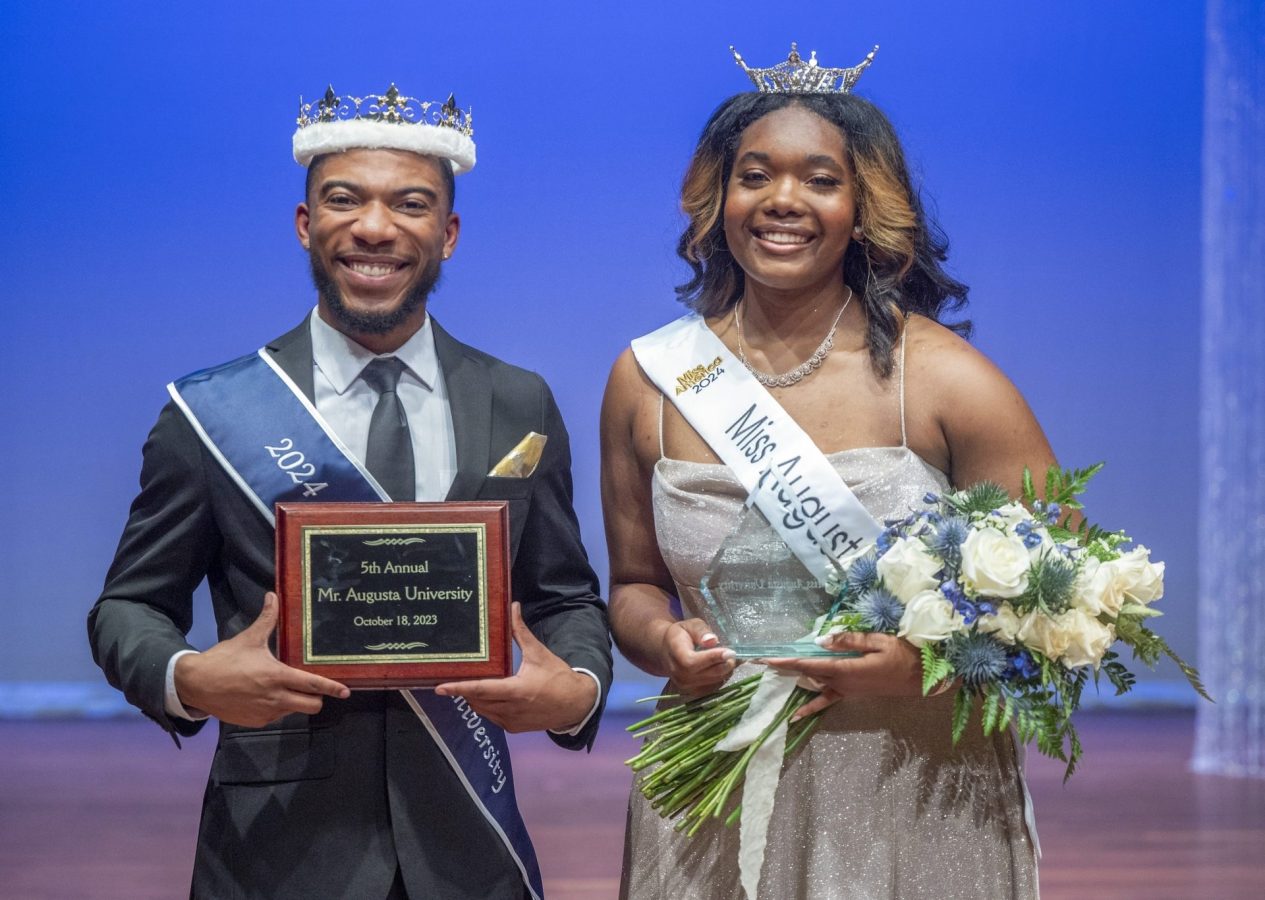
(262, 757)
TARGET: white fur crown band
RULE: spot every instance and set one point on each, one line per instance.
(387, 121)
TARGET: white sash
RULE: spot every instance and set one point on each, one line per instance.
(786, 476)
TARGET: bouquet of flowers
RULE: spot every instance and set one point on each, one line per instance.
(1015, 603)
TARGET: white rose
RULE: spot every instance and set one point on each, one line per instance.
(907, 568)
(995, 564)
(1088, 639)
(1143, 580)
(1011, 515)
(929, 617)
(1088, 593)
(1043, 634)
(1004, 625)
(1131, 577)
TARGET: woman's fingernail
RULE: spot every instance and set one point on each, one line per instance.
(728, 654)
(823, 639)
(707, 637)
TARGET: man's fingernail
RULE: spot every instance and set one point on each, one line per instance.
(728, 654)
(823, 639)
(707, 637)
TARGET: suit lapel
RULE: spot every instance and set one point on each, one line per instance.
(470, 399)
(293, 353)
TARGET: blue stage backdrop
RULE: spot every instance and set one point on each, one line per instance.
(150, 195)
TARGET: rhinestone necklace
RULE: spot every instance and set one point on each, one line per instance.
(807, 367)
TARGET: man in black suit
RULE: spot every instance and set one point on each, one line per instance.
(315, 791)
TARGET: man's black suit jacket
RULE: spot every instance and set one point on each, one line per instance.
(325, 806)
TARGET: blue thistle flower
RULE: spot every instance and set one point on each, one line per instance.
(977, 657)
(947, 541)
(863, 573)
(879, 610)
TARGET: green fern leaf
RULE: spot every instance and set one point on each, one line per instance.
(992, 706)
(961, 713)
(1007, 711)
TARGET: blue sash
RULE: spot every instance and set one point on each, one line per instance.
(274, 444)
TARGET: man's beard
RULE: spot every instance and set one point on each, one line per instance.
(354, 322)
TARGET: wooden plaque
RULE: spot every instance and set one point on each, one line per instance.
(394, 595)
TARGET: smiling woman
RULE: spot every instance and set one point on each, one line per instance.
(377, 225)
(901, 254)
(818, 290)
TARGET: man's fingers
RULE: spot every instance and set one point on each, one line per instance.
(300, 682)
(294, 701)
(492, 689)
(315, 684)
(523, 636)
(261, 629)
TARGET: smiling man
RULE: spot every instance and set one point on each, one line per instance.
(315, 791)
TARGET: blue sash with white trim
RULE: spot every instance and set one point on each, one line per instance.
(276, 447)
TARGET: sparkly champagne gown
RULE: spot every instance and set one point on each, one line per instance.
(877, 803)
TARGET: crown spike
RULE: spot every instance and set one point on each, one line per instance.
(794, 76)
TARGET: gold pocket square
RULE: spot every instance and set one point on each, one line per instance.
(523, 459)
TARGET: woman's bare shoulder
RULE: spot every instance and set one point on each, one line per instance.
(948, 366)
(628, 383)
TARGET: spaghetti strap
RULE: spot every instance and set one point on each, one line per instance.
(904, 440)
(662, 455)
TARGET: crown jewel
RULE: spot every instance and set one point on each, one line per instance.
(386, 121)
(794, 76)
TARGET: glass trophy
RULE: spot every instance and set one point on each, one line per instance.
(762, 599)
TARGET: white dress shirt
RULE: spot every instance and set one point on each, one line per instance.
(346, 401)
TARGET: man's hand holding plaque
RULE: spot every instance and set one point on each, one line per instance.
(544, 694)
(240, 681)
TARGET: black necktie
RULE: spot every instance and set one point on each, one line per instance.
(390, 454)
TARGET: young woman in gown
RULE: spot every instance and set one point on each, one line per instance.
(798, 204)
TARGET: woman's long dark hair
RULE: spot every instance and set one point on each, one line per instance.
(896, 269)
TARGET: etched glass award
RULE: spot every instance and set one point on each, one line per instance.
(763, 600)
